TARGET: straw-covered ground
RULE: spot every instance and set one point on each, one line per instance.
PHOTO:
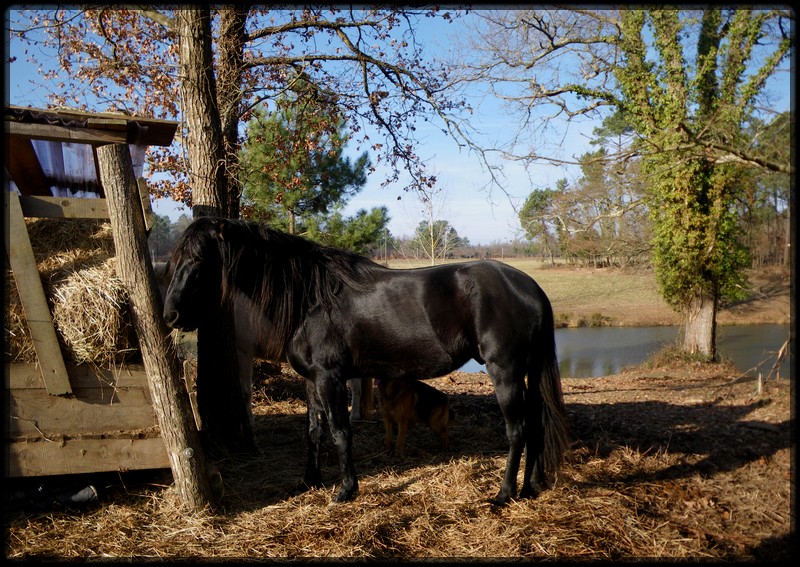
(670, 460)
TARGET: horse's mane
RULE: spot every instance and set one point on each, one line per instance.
(285, 275)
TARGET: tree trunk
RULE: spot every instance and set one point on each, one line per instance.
(226, 424)
(700, 326)
(170, 398)
(199, 104)
(230, 70)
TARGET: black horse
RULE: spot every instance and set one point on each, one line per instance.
(335, 315)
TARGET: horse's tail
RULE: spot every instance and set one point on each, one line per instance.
(554, 413)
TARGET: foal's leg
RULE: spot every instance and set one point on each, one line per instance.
(439, 424)
(242, 418)
(509, 387)
(402, 430)
(332, 394)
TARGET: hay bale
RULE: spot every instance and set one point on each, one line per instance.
(90, 308)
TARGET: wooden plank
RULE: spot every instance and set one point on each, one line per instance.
(78, 456)
(57, 133)
(22, 376)
(97, 410)
(108, 123)
(102, 402)
(190, 377)
(92, 411)
(63, 207)
(143, 130)
(34, 304)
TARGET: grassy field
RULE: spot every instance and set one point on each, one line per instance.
(613, 297)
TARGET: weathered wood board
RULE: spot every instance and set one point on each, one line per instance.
(107, 424)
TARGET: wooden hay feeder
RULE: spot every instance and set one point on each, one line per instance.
(67, 418)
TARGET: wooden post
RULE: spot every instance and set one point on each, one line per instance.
(34, 303)
(170, 398)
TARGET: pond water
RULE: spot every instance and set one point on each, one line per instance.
(599, 351)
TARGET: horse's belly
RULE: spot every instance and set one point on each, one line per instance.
(403, 370)
(412, 360)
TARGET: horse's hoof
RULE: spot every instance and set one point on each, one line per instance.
(304, 486)
(530, 492)
(344, 496)
(500, 500)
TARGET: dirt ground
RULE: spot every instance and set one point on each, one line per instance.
(670, 460)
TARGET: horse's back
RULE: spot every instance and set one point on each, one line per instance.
(503, 290)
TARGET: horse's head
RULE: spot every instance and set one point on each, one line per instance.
(196, 267)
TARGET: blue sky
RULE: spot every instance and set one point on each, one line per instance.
(482, 216)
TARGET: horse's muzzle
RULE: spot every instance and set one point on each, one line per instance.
(173, 320)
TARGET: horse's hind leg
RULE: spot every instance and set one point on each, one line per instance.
(315, 420)
(332, 394)
(509, 387)
(535, 479)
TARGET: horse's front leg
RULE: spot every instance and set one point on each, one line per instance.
(332, 394)
(247, 423)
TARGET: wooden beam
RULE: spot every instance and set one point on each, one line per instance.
(34, 303)
(57, 133)
(64, 207)
(95, 409)
(25, 376)
(98, 132)
(78, 456)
